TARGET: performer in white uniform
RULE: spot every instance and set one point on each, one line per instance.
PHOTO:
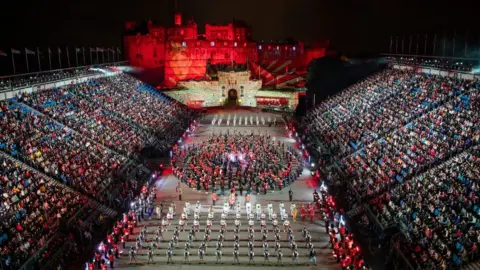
(258, 210)
(248, 208)
(270, 210)
(282, 210)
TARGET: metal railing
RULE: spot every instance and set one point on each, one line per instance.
(14, 82)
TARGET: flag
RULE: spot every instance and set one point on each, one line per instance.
(92, 50)
(99, 49)
(2, 53)
(59, 51)
(49, 51)
(77, 50)
(118, 51)
(27, 51)
(15, 51)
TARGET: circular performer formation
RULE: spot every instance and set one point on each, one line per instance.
(251, 163)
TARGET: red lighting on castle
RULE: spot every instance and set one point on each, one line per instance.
(184, 54)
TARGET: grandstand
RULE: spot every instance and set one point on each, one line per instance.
(406, 144)
(71, 154)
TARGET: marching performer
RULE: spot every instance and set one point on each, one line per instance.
(258, 210)
(248, 208)
(293, 211)
(282, 210)
(270, 210)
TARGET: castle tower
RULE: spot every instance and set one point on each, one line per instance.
(177, 16)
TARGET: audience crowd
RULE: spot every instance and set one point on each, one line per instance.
(403, 141)
(42, 78)
(78, 140)
(32, 209)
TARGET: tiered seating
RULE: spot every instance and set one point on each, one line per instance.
(429, 139)
(401, 96)
(397, 131)
(32, 209)
(86, 118)
(130, 100)
(441, 209)
(56, 150)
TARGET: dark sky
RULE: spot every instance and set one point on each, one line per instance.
(354, 26)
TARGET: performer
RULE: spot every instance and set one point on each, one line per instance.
(235, 256)
(169, 255)
(311, 212)
(132, 255)
(158, 211)
(282, 210)
(313, 256)
(295, 257)
(303, 212)
(150, 255)
(218, 254)
(286, 225)
(270, 210)
(186, 255)
(279, 257)
(266, 256)
(251, 254)
(201, 253)
(248, 208)
(187, 206)
(258, 210)
(293, 209)
(250, 223)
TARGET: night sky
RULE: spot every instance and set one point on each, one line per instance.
(352, 26)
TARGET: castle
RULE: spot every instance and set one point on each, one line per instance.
(209, 62)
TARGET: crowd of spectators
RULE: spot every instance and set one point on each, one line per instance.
(403, 141)
(42, 78)
(32, 209)
(80, 140)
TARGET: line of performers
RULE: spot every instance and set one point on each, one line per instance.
(261, 217)
(305, 212)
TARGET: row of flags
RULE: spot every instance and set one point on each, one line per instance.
(96, 50)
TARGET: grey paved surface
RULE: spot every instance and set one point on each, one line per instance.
(302, 189)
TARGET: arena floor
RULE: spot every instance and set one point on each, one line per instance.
(302, 189)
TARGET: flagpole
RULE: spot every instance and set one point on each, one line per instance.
(83, 53)
(26, 60)
(96, 51)
(391, 44)
(108, 55)
(418, 39)
(434, 43)
(103, 56)
(403, 41)
(50, 58)
(13, 62)
(410, 45)
(454, 34)
(425, 48)
(59, 57)
(68, 58)
(76, 56)
(444, 43)
(91, 58)
(466, 42)
(38, 57)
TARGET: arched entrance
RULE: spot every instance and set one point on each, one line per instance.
(232, 97)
